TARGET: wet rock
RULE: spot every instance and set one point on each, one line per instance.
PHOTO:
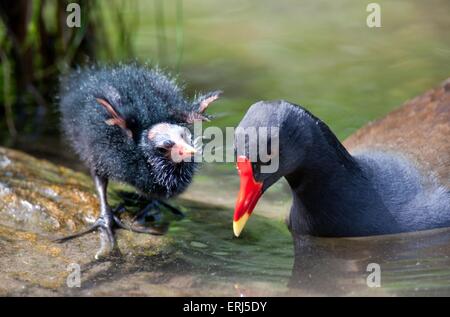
(39, 202)
(40, 197)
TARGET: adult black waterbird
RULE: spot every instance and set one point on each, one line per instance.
(393, 175)
(130, 123)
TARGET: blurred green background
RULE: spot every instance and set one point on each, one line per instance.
(320, 54)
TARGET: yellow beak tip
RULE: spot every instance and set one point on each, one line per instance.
(236, 231)
(238, 225)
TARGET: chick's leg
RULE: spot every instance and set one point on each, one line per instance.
(105, 222)
(108, 220)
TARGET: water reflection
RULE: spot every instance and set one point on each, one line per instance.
(263, 262)
(411, 264)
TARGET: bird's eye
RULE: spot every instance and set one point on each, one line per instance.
(167, 144)
(162, 150)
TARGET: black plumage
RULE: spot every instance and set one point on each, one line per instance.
(123, 121)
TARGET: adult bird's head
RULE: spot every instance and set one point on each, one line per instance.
(272, 140)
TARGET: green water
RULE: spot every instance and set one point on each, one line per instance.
(265, 261)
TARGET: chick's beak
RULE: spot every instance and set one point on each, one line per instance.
(181, 151)
(249, 193)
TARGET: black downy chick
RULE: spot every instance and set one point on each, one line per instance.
(130, 123)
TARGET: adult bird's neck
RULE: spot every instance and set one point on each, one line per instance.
(332, 194)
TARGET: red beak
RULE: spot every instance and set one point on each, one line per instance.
(249, 194)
